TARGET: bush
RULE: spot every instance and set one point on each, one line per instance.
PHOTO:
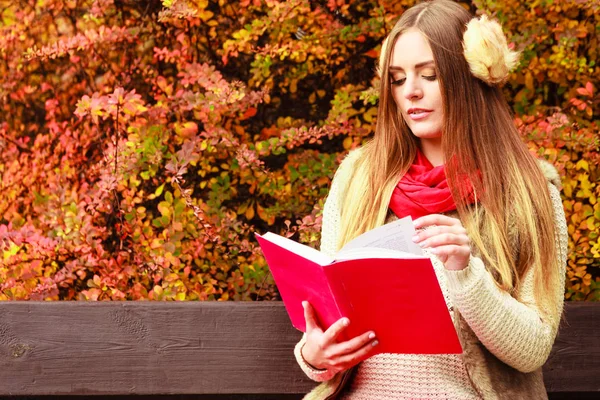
(144, 142)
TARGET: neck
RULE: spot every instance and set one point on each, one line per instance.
(432, 149)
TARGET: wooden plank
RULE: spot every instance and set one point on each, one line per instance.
(574, 364)
(162, 348)
(58, 348)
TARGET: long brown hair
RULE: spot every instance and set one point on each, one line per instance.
(480, 138)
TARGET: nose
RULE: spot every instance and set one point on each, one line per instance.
(413, 89)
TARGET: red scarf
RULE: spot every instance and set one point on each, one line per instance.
(424, 190)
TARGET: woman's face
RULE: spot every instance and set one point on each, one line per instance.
(414, 84)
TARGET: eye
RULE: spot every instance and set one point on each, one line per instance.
(398, 82)
(430, 77)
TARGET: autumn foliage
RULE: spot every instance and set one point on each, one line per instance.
(142, 143)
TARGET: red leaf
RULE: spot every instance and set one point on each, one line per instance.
(250, 112)
(590, 88)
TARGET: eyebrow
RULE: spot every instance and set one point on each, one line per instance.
(417, 66)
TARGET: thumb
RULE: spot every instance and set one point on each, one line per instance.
(310, 317)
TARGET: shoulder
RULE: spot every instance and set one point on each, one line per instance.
(351, 159)
(550, 173)
(348, 166)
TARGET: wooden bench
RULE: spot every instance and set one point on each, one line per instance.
(205, 350)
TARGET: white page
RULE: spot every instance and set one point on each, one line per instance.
(372, 252)
(396, 235)
(298, 248)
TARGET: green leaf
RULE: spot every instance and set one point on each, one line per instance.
(159, 190)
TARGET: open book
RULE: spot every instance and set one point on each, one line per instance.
(380, 280)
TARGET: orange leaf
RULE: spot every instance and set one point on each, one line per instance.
(371, 53)
(250, 112)
(250, 213)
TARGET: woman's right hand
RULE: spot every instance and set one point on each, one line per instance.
(323, 351)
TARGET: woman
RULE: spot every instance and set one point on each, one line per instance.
(486, 211)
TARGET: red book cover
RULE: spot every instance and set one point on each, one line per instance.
(393, 293)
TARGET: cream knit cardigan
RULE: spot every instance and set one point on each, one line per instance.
(514, 329)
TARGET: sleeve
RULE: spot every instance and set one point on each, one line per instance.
(330, 236)
(318, 375)
(517, 331)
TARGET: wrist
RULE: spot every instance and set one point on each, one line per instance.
(309, 364)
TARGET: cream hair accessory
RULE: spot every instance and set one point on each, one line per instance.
(487, 52)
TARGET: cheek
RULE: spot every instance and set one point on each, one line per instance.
(438, 94)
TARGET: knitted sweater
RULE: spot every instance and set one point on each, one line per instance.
(511, 331)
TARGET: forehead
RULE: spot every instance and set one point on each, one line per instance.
(411, 48)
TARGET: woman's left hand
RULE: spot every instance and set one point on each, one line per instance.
(448, 240)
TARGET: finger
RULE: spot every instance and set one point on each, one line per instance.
(445, 239)
(348, 360)
(451, 250)
(352, 345)
(309, 317)
(334, 331)
(437, 230)
(435, 219)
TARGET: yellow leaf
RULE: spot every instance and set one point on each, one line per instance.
(583, 164)
(347, 143)
(186, 130)
(529, 81)
(249, 213)
(591, 223)
(164, 208)
(370, 114)
(206, 15)
(261, 213)
(568, 188)
(12, 250)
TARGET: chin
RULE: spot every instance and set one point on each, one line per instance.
(427, 134)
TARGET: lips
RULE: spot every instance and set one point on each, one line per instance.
(418, 113)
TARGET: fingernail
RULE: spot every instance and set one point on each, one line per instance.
(375, 343)
(415, 238)
(371, 335)
(304, 304)
(346, 322)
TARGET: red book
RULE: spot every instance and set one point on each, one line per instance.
(394, 293)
